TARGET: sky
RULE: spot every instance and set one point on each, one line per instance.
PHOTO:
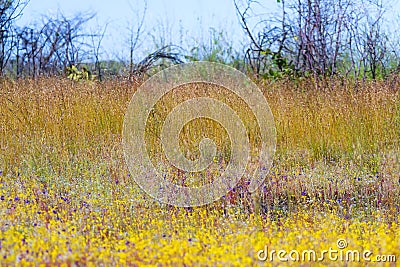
(166, 20)
(169, 19)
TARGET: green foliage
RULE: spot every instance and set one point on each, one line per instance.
(280, 65)
(74, 74)
(218, 49)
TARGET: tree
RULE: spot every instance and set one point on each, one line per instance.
(134, 35)
(97, 38)
(59, 42)
(321, 38)
(9, 11)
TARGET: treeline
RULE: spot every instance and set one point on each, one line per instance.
(321, 39)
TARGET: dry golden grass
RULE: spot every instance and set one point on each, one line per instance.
(340, 143)
(60, 148)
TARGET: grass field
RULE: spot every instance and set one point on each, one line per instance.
(67, 198)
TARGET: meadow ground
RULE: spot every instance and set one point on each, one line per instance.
(67, 198)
